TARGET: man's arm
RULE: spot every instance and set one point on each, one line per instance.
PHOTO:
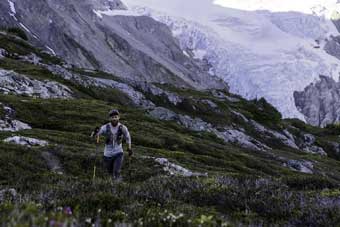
(97, 132)
(128, 139)
(102, 130)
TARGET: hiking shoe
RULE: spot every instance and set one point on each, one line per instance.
(117, 179)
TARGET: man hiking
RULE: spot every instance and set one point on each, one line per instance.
(115, 133)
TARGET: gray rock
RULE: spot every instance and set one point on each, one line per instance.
(8, 123)
(210, 103)
(336, 147)
(174, 169)
(52, 162)
(26, 141)
(135, 96)
(3, 53)
(8, 194)
(302, 166)
(32, 58)
(315, 150)
(308, 145)
(308, 139)
(241, 116)
(163, 114)
(11, 82)
(332, 46)
(241, 139)
(156, 91)
(196, 124)
(221, 95)
(13, 126)
(286, 138)
(320, 102)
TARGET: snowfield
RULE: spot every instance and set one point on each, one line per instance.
(262, 48)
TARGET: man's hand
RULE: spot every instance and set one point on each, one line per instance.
(130, 151)
(95, 132)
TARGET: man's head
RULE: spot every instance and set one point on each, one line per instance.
(114, 116)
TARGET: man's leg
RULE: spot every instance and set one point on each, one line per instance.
(118, 161)
(108, 164)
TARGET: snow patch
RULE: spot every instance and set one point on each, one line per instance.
(315, 7)
(115, 12)
(97, 13)
(24, 27)
(186, 53)
(12, 7)
(200, 54)
(51, 50)
(12, 12)
(27, 30)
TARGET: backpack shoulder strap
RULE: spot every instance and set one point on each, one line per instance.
(107, 129)
(108, 134)
(120, 130)
(120, 134)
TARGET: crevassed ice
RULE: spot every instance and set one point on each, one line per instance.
(317, 7)
(259, 53)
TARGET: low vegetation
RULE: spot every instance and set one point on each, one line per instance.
(242, 187)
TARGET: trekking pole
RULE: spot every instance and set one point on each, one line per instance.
(95, 159)
(129, 174)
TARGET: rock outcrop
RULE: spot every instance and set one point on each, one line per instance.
(308, 144)
(302, 166)
(320, 102)
(156, 91)
(14, 83)
(174, 169)
(8, 123)
(286, 138)
(26, 141)
(229, 135)
(135, 96)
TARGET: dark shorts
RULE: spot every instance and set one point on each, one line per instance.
(114, 164)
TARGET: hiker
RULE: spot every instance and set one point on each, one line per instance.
(115, 134)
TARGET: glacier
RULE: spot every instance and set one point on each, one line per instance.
(260, 48)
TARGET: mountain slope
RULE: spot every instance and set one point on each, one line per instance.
(201, 158)
(259, 48)
(120, 45)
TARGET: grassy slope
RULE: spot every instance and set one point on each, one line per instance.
(243, 186)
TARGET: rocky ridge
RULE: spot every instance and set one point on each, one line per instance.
(319, 102)
(120, 45)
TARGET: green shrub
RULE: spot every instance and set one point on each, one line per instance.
(18, 32)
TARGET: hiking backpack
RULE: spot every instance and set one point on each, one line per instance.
(120, 138)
